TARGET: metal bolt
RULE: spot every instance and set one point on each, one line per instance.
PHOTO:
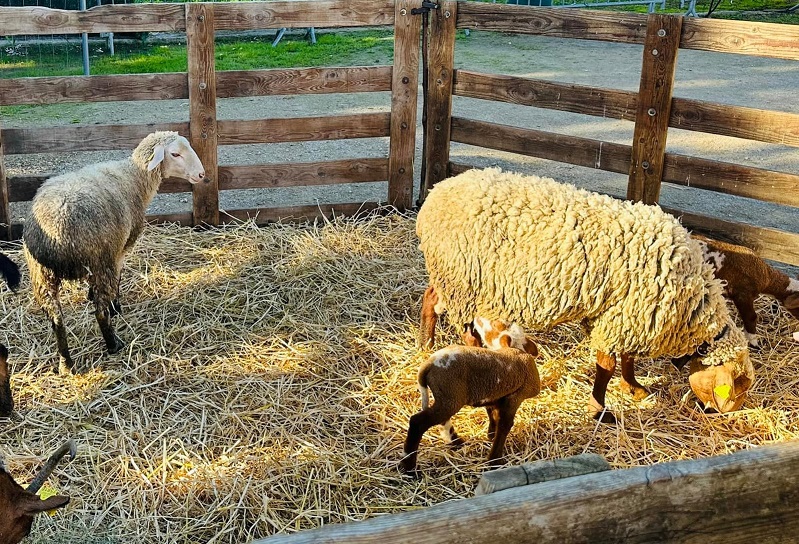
(438, 127)
(662, 32)
(403, 12)
(204, 135)
(645, 164)
(439, 82)
(401, 170)
(651, 112)
(201, 18)
(405, 80)
(447, 15)
(655, 52)
(203, 86)
(403, 125)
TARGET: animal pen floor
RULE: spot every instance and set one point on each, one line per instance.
(268, 380)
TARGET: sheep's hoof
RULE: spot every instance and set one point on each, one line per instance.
(65, 367)
(115, 308)
(409, 470)
(605, 417)
(116, 346)
(637, 391)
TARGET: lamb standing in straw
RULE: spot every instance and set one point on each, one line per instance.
(83, 223)
(533, 251)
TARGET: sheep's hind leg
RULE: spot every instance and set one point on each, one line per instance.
(628, 382)
(46, 287)
(104, 287)
(429, 317)
(493, 418)
(506, 412)
(437, 414)
(450, 435)
(605, 366)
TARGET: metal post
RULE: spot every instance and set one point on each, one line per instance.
(85, 44)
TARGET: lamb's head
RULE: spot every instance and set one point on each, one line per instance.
(6, 400)
(172, 155)
(496, 334)
(721, 371)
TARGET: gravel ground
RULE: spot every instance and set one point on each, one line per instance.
(730, 79)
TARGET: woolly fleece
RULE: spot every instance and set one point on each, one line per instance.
(534, 251)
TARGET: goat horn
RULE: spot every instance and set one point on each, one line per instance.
(68, 447)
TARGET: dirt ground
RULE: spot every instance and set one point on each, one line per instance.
(730, 79)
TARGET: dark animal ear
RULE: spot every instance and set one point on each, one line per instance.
(470, 336)
(792, 301)
(680, 362)
(32, 504)
(530, 347)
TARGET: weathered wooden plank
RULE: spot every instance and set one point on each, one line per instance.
(301, 129)
(65, 139)
(296, 214)
(748, 495)
(654, 107)
(744, 37)
(607, 103)
(202, 109)
(22, 188)
(5, 210)
(732, 179)
(179, 218)
(768, 243)
(356, 79)
(293, 14)
(55, 90)
(303, 174)
(455, 168)
(404, 92)
(109, 18)
(546, 145)
(540, 471)
(560, 23)
(441, 68)
(737, 121)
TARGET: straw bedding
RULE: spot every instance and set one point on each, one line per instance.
(269, 377)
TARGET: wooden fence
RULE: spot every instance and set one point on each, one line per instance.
(655, 110)
(645, 161)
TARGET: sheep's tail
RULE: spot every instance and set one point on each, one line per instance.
(422, 383)
(10, 271)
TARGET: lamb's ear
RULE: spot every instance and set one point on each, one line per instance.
(505, 340)
(158, 157)
(530, 347)
(792, 301)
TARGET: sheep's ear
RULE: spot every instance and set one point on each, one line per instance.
(792, 301)
(32, 505)
(158, 157)
(530, 347)
(505, 340)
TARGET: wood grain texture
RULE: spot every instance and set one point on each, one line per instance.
(748, 495)
(109, 18)
(357, 79)
(5, 210)
(263, 216)
(404, 93)
(561, 23)
(303, 174)
(441, 68)
(292, 14)
(543, 470)
(65, 139)
(654, 107)
(732, 179)
(768, 243)
(202, 109)
(546, 145)
(303, 129)
(773, 40)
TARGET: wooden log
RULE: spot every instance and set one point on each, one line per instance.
(202, 109)
(303, 174)
(546, 145)
(356, 79)
(745, 496)
(540, 471)
(109, 18)
(5, 210)
(304, 129)
(654, 107)
(768, 243)
(293, 14)
(441, 67)
(404, 92)
(773, 40)
(556, 23)
(605, 103)
(263, 216)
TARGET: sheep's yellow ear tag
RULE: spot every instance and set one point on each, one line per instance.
(158, 156)
(45, 493)
(722, 391)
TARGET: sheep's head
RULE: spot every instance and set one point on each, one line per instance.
(496, 334)
(173, 154)
(721, 371)
(6, 400)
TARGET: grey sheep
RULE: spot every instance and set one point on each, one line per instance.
(84, 222)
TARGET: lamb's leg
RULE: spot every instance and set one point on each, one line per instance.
(450, 435)
(746, 308)
(605, 366)
(104, 286)
(506, 410)
(628, 382)
(46, 287)
(116, 307)
(427, 324)
(493, 417)
(437, 414)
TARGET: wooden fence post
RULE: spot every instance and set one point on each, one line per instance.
(654, 107)
(404, 90)
(202, 108)
(5, 211)
(441, 64)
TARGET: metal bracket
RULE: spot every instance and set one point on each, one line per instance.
(426, 7)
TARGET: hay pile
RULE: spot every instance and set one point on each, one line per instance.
(268, 380)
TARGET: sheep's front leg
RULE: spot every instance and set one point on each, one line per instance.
(437, 414)
(506, 411)
(429, 317)
(105, 287)
(746, 308)
(628, 382)
(450, 435)
(493, 418)
(605, 366)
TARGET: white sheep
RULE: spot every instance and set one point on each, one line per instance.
(498, 377)
(84, 222)
(533, 251)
